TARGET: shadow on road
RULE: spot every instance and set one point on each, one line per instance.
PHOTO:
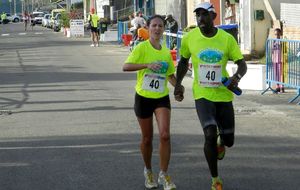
(111, 162)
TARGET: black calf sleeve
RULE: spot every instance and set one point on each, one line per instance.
(210, 149)
(227, 139)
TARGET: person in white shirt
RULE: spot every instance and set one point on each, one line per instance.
(229, 14)
(139, 20)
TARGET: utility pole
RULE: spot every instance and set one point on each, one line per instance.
(10, 7)
(15, 7)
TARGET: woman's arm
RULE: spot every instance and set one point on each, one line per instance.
(172, 79)
(133, 67)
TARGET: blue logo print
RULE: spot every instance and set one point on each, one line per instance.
(210, 56)
(164, 67)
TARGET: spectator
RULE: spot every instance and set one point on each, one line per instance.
(277, 61)
(142, 34)
(172, 25)
(229, 13)
(139, 20)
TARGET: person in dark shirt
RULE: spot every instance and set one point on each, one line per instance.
(172, 25)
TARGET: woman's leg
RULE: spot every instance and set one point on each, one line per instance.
(163, 115)
(146, 147)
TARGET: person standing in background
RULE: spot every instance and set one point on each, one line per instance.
(229, 13)
(277, 60)
(172, 25)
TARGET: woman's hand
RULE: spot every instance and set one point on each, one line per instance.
(154, 66)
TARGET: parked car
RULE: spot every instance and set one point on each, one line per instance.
(38, 17)
(12, 18)
(46, 20)
(57, 23)
(54, 12)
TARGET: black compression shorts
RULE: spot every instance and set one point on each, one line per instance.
(144, 107)
(220, 114)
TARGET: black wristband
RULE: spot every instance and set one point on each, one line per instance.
(238, 76)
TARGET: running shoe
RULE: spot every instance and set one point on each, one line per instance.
(166, 182)
(92, 45)
(220, 148)
(217, 184)
(149, 179)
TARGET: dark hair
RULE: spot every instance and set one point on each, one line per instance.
(278, 30)
(156, 16)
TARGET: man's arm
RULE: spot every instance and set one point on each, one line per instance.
(182, 68)
(242, 68)
(241, 71)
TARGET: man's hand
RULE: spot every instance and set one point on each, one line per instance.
(234, 80)
(178, 93)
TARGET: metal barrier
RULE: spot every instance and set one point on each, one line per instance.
(178, 37)
(122, 29)
(283, 65)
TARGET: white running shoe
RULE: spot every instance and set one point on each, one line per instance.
(92, 45)
(166, 182)
(97, 45)
(149, 179)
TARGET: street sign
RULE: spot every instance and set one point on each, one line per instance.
(77, 28)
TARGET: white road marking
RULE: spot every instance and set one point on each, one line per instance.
(4, 34)
(67, 146)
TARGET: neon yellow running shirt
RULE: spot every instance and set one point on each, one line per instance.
(94, 20)
(209, 58)
(152, 84)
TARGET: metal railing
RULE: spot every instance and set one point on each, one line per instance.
(122, 13)
(122, 29)
(283, 65)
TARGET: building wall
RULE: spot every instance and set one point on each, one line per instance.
(276, 5)
(174, 7)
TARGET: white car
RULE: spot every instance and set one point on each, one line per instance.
(46, 20)
(12, 18)
(38, 17)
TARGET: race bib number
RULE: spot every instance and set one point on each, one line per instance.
(210, 75)
(154, 82)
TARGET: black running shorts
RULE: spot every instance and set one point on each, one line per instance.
(94, 29)
(144, 107)
(220, 114)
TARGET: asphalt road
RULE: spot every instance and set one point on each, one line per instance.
(72, 126)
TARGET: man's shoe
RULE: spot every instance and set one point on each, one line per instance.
(220, 148)
(217, 184)
(92, 45)
(149, 179)
(166, 182)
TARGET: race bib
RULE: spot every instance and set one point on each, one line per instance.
(210, 75)
(154, 82)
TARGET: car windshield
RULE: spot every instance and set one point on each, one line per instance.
(38, 14)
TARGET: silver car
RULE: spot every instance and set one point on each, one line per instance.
(46, 20)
